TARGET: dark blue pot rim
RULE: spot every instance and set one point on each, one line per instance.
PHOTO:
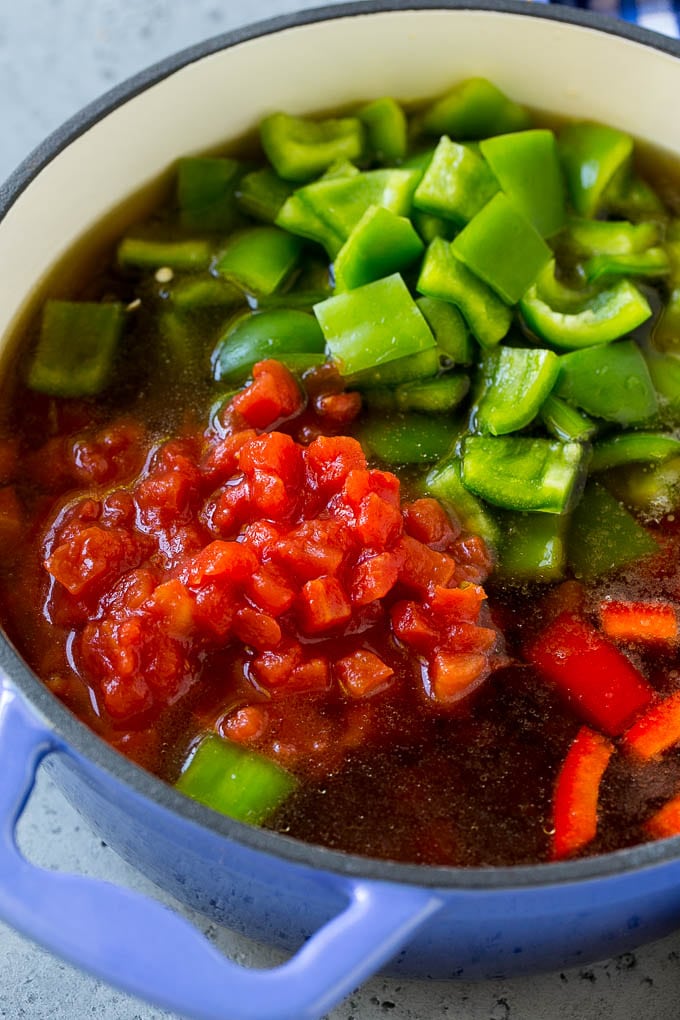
(83, 740)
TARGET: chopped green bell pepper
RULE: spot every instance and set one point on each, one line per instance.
(152, 253)
(77, 348)
(206, 196)
(610, 382)
(651, 489)
(610, 237)
(603, 536)
(259, 335)
(301, 149)
(386, 127)
(190, 293)
(456, 184)
(418, 366)
(448, 325)
(501, 247)
(239, 783)
(591, 155)
(444, 276)
(380, 244)
(261, 194)
(518, 382)
(565, 423)
(474, 109)
(297, 217)
(645, 447)
(532, 548)
(406, 438)
(651, 263)
(595, 318)
(433, 396)
(444, 483)
(521, 473)
(372, 325)
(259, 260)
(527, 167)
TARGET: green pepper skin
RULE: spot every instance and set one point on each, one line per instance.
(406, 438)
(300, 150)
(444, 276)
(651, 263)
(268, 334)
(609, 237)
(206, 193)
(259, 260)
(433, 396)
(533, 547)
(591, 154)
(519, 380)
(380, 244)
(444, 482)
(603, 536)
(522, 473)
(474, 109)
(527, 167)
(261, 194)
(77, 347)
(148, 253)
(412, 367)
(565, 423)
(611, 382)
(386, 127)
(456, 184)
(645, 447)
(448, 325)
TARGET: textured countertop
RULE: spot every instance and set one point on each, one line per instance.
(55, 56)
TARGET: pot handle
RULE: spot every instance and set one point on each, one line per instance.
(146, 949)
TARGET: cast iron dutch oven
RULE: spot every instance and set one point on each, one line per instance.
(343, 917)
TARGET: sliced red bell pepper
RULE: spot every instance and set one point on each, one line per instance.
(577, 792)
(639, 621)
(600, 683)
(655, 731)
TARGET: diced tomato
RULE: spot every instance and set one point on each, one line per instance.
(272, 397)
(245, 724)
(338, 408)
(577, 793)
(114, 454)
(230, 562)
(656, 731)
(91, 558)
(598, 681)
(373, 578)
(360, 484)
(274, 669)
(468, 637)
(665, 822)
(311, 549)
(378, 524)
(214, 610)
(272, 463)
(423, 568)
(229, 508)
(330, 459)
(323, 604)
(455, 604)
(310, 676)
(454, 675)
(118, 507)
(173, 604)
(221, 460)
(413, 626)
(164, 497)
(473, 558)
(255, 628)
(363, 674)
(427, 520)
(648, 622)
(270, 590)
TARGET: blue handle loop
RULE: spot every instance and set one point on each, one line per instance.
(146, 949)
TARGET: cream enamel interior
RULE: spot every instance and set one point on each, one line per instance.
(551, 65)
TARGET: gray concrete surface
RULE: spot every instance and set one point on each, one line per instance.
(55, 56)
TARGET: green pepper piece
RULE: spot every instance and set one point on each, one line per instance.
(519, 380)
(610, 237)
(76, 349)
(303, 299)
(241, 784)
(646, 447)
(651, 489)
(664, 370)
(190, 293)
(385, 123)
(149, 253)
(433, 396)
(449, 329)
(206, 192)
(261, 194)
(297, 217)
(259, 260)
(611, 382)
(430, 227)
(380, 244)
(501, 247)
(406, 438)
(594, 318)
(629, 195)
(603, 536)
(444, 482)
(667, 330)
(521, 473)
(301, 149)
(474, 109)
(565, 423)
(300, 362)
(412, 367)
(527, 167)
(456, 184)
(373, 325)
(533, 547)
(444, 276)
(651, 263)
(259, 335)
(591, 155)
(340, 202)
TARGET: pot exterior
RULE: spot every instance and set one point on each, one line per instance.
(548, 61)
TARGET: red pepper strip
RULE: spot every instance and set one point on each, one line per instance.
(666, 821)
(639, 621)
(595, 677)
(576, 793)
(655, 731)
